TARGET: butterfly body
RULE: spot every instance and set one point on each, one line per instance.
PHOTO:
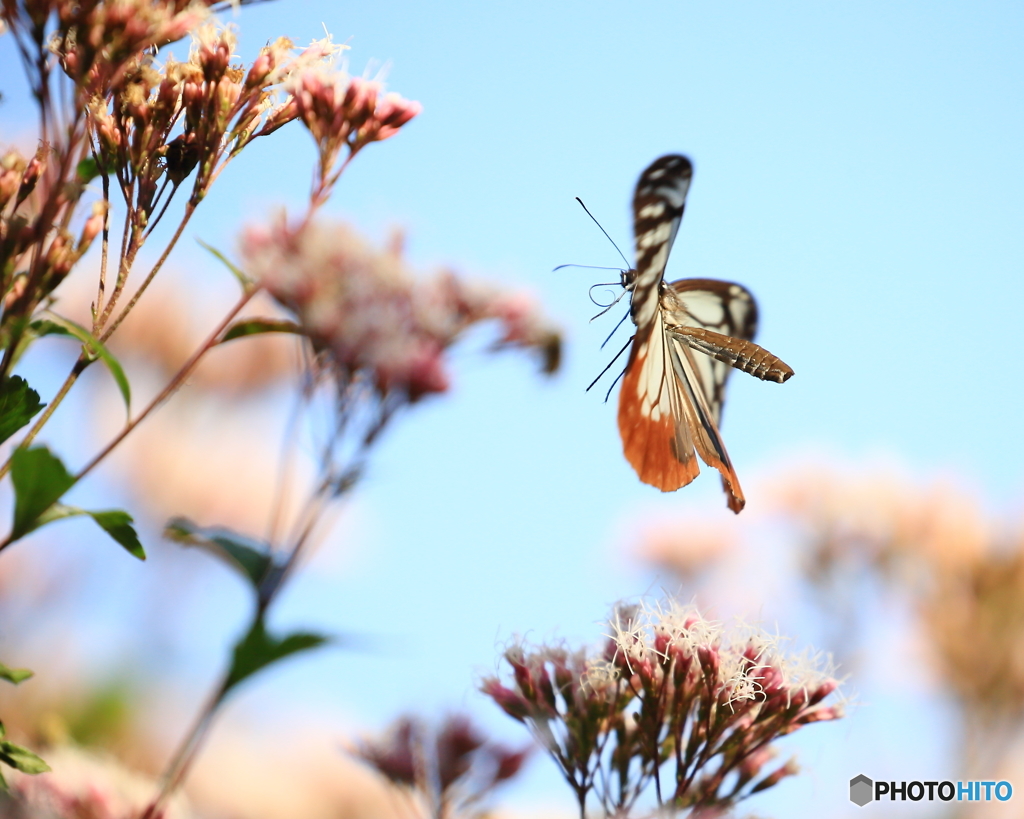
(689, 335)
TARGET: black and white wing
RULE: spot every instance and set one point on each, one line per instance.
(653, 402)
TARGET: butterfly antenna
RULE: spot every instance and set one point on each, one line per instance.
(588, 266)
(605, 232)
(607, 395)
(620, 352)
(613, 332)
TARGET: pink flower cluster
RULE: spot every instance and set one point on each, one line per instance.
(197, 113)
(97, 42)
(375, 318)
(669, 702)
(341, 110)
(344, 112)
(21, 225)
(449, 768)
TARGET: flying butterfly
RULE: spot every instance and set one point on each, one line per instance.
(689, 334)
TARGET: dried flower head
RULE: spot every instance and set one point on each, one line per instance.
(671, 700)
(100, 43)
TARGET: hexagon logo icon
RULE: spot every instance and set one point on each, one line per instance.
(861, 790)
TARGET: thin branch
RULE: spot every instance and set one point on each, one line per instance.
(189, 210)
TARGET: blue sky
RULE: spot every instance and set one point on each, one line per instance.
(858, 167)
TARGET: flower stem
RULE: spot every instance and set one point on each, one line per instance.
(186, 753)
(69, 382)
(165, 393)
(172, 386)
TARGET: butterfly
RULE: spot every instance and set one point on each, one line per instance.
(689, 335)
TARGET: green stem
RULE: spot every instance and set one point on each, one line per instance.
(165, 393)
(186, 753)
(171, 387)
(81, 364)
(189, 210)
(69, 382)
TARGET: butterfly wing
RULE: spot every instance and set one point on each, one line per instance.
(653, 413)
(671, 397)
(657, 211)
(656, 437)
(722, 307)
(699, 414)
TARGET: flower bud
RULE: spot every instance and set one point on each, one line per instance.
(823, 691)
(34, 169)
(509, 763)
(259, 70)
(512, 703)
(93, 226)
(16, 291)
(789, 769)
(709, 660)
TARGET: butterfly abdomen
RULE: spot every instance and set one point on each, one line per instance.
(736, 352)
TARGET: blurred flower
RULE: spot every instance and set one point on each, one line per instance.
(880, 514)
(686, 546)
(84, 785)
(449, 770)
(961, 572)
(180, 463)
(669, 691)
(375, 320)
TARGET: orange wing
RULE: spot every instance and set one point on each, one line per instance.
(655, 437)
(664, 416)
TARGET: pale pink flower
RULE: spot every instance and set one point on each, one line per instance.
(670, 699)
(376, 319)
(343, 112)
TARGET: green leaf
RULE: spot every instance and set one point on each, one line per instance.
(87, 170)
(39, 480)
(118, 524)
(94, 347)
(12, 675)
(258, 649)
(45, 327)
(115, 522)
(18, 404)
(251, 327)
(244, 280)
(21, 758)
(249, 556)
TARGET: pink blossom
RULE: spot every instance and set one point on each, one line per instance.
(344, 114)
(450, 767)
(676, 701)
(375, 317)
